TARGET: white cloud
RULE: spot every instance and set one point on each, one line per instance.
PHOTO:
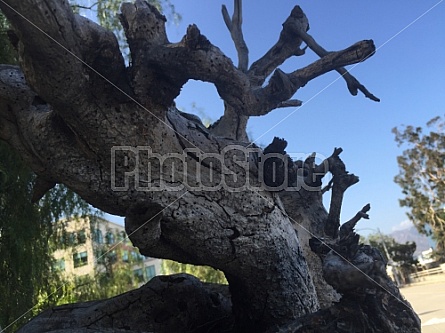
(406, 224)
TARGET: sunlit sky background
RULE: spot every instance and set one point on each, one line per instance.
(407, 73)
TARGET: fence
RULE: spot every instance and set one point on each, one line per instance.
(429, 275)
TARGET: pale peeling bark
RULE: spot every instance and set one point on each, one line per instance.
(80, 117)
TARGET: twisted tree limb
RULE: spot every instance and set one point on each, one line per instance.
(341, 181)
(288, 45)
(353, 84)
(234, 25)
(348, 227)
(83, 119)
(358, 272)
(232, 123)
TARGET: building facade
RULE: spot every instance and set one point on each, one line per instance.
(91, 244)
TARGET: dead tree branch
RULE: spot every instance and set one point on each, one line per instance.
(85, 7)
(234, 25)
(348, 227)
(283, 86)
(290, 103)
(288, 45)
(196, 58)
(340, 182)
(353, 84)
(358, 272)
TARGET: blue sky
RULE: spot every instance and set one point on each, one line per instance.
(407, 73)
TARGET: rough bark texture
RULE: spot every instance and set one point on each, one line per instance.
(177, 303)
(80, 117)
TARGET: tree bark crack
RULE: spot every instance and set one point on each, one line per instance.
(113, 153)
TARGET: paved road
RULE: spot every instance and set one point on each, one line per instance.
(428, 301)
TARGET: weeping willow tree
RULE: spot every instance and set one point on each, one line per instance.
(26, 240)
(26, 228)
(29, 282)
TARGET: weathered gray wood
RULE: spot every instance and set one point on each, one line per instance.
(167, 304)
(78, 116)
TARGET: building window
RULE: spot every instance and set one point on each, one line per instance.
(59, 265)
(139, 275)
(98, 237)
(150, 271)
(71, 239)
(124, 237)
(100, 256)
(81, 237)
(136, 257)
(62, 239)
(125, 256)
(104, 257)
(121, 236)
(112, 256)
(127, 240)
(109, 237)
(80, 259)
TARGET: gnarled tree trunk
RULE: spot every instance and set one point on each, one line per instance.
(197, 195)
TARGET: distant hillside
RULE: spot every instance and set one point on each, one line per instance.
(412, 235)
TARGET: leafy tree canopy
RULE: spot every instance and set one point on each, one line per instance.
(401, 254)
(422, 177)
(204, 273)
(7, 53)
(398, 254)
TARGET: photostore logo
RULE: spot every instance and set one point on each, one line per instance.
(235, 168)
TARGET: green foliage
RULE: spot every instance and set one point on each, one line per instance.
(115, 262)
(105, 12)
(100, 285)
(7, 52)
(25, 233)
(394, 252)
(402, 254)
(204, 273)
(422, 177)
